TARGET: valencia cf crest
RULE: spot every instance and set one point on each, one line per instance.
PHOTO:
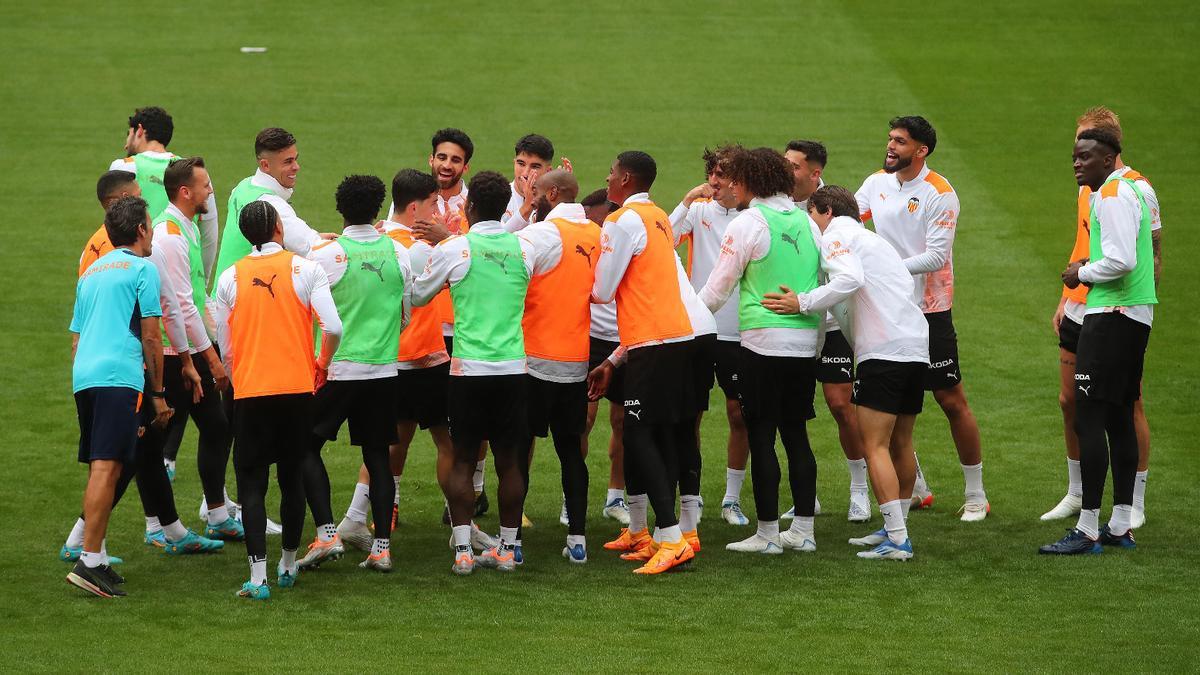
(913, 204)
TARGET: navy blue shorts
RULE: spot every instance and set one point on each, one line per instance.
(108, 423)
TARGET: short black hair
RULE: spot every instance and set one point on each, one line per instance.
(763, 171)
(837, 198)
(410, 185)
(123, 218)
(639, 165)
(457, 137)
(814, 151)
(597, 198)
(272, 139)
(535, 144)
(257, 222)
(489, 193)
(919, 128)
(157, 123)
(179, 173)
(111, 182)
(359, 198)
(1101, 136)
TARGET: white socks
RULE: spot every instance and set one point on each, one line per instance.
(477, 479)
(218, 515)
(893, 521)
(1089, 522)
(75, 539)
(689, 512)
(858, 474)
(614, 493)
(574, 540)
(802, 526)
(1074, 478)
(359, 503)
(669, 535)
(919, 488)
(638, 504)
(380, 546)
(288, 561)
(152, 524)
(462, 535)
(175, 531)
(92, 560)
(1139, 491)
(905, 507)
(733, 485)
(258, 571)
(396, 499)
(769, 530)
(973, 477)
(508, 536)
(326, 532)
(1118, 524)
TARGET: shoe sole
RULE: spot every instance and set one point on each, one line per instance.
(80, 582)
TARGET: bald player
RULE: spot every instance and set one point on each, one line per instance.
(557, 317)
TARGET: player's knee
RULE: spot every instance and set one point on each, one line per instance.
(953, 402)
(843, 412)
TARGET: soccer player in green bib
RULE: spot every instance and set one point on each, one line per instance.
(370, 279)
(771, 246)
(1112, 342)
(178, 257)
(273, 182)
(147, 157)
(488, 271)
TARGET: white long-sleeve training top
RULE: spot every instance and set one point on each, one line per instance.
(870, 293)
(1120, 219)
(705, 221)
(170, 254)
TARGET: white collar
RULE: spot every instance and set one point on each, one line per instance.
(268, 181)
(638, 198)
(267, 249)
(568, 211)
(487, 227)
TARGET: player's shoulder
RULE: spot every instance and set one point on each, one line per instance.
(123, 164)
(327, 245)
(938, 183)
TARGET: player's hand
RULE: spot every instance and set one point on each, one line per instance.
(432, 232)
(1056, 320)
(703, 190)
(599, 379)
(566, 165)
(525, 186)
(322, 376)
(1070, 276)
(786, 302)
(191, 381)
(220, 378)
(329, 236)
(162, 412)
(381, 226)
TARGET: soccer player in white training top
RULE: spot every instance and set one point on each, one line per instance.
(1068, 321)
(916, 211)
(701, 219)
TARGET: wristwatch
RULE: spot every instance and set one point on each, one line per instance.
(159, 394)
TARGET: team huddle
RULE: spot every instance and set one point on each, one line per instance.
(490, 312)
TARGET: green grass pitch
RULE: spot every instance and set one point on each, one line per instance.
(363, 85)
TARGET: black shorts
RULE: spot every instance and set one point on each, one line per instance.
(488, 408)
(1068, 335)
(1108, 365)
(599, 352)
(448, 340)
(836, 365)
(772, 388)
(267, 429)
(108, 423)
(943, 371)
(714, 359)
(422, 396)
(560, 407)
(895, 387)
(657, 387)
(368, 405)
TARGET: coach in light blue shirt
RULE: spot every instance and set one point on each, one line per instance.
(116, 330)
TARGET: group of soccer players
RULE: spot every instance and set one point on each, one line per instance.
(491, 312)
